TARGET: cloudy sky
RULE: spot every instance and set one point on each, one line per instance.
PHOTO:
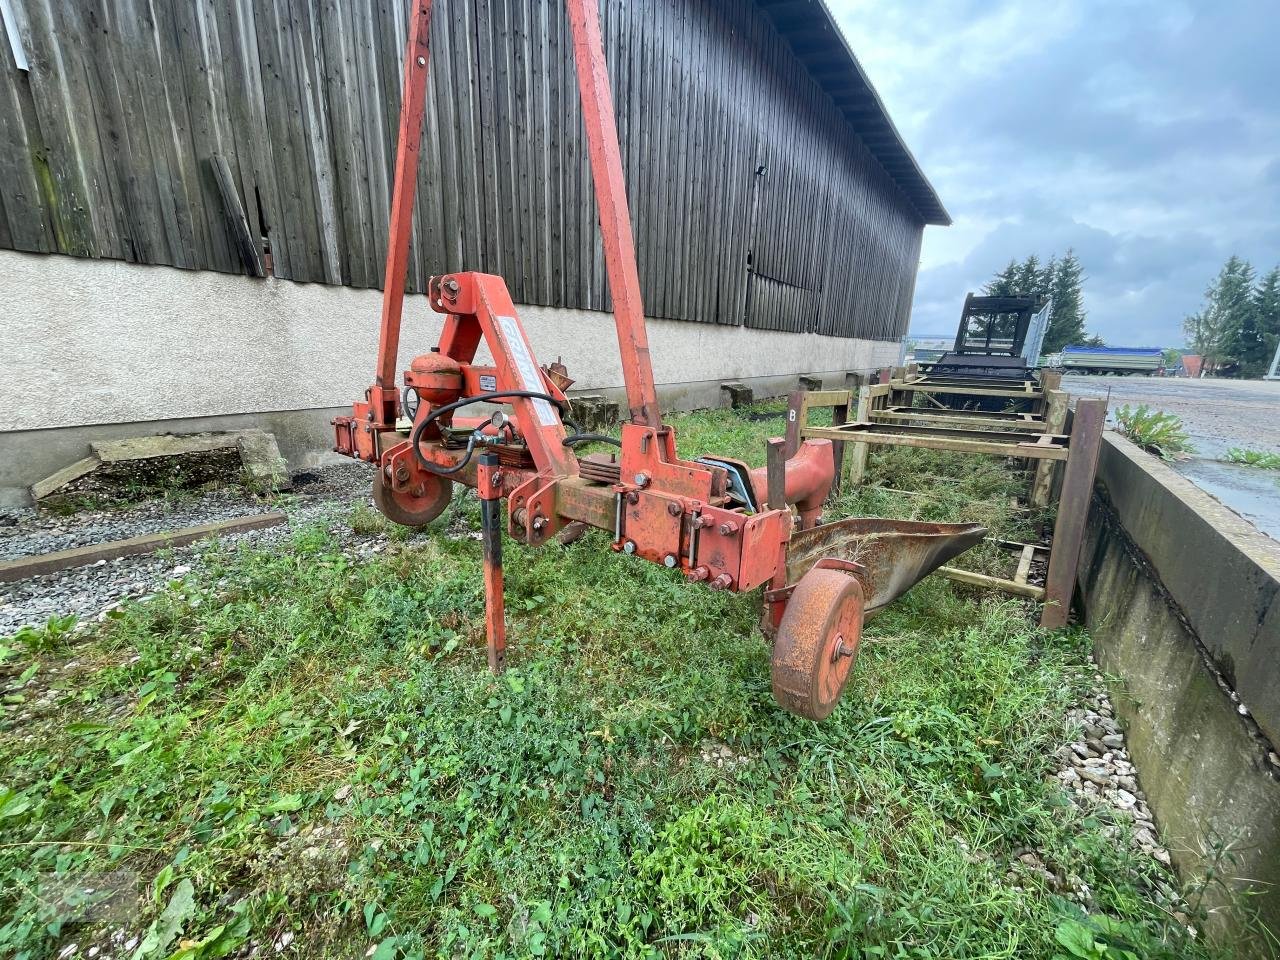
(1146, 135)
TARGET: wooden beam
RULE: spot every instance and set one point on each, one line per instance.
(963, 418)
(936, 441)
(994, 583)
(1055, 421)
(858, 462)
(1073, 511)
(1024, 563)
(46, 563)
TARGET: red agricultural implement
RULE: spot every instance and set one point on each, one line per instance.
(713, 519)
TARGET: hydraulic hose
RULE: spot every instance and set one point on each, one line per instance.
(415, 438)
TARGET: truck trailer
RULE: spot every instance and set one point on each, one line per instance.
(1121, 361)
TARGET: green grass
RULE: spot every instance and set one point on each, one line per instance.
(296, 741)
(1155, 431)
(1254, 458)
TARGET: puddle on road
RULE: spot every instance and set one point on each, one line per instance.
(1250, 492)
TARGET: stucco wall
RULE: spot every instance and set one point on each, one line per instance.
(99, 341)
(98, 348)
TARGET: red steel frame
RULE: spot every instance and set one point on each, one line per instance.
(657, 506)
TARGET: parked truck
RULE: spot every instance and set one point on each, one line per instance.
(1121, 361)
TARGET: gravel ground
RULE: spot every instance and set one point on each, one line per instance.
(1097, 771)
(88, 592)
(1218, 415)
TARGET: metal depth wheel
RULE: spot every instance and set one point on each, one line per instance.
(410, 510)
(817, 643)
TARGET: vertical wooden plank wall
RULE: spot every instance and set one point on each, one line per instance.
(754, 201)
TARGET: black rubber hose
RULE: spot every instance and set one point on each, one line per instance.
(457, 467)
(576, 438)
(415, 437)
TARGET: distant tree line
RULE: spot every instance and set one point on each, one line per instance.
(1238, 327)
(1061, 280)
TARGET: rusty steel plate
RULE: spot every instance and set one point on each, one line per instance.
(817, 643)
(897, 554)
(433, 494)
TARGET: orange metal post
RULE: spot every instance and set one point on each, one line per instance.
(384, 395)
(615, 218)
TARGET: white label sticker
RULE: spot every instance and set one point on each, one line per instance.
(528, 370)
(488, 382)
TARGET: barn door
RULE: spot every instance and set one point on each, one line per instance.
(784, 263)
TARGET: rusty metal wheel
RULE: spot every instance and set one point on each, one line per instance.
(817, 643)
(416, 507)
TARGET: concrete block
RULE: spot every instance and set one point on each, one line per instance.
(264, 468)
(739, 394)
(162, 445)
(809, 383)
(595, 413)
(59, 479)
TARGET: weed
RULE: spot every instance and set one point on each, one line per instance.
(295, 742)
(1154, 430)
(1254, 458)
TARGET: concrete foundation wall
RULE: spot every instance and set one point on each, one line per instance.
(1178, 593)
(90, 343)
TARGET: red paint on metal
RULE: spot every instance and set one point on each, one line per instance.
(384, 397)
(678, 513)
(817, 642)
(615, 218)
(806, 482)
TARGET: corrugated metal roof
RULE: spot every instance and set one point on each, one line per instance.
(815, 37)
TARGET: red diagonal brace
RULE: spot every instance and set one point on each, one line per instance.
(615, 218)
(384, 399)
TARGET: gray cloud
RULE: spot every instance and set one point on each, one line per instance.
(1146, 135)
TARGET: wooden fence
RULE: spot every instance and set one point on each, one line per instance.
(183, 132)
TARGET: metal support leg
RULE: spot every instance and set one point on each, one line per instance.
(489, 487)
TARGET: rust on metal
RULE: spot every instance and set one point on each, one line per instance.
(817, 642)
(897, 554)
(712, 521)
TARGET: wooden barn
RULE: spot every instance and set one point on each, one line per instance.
(194, 199)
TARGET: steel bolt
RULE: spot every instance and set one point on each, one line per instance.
(422, 61)
(629, 547)
(673, 508)
(633, 497)
(670, 561)
(722, 582)
(539, 523)
(642, 480)
(728, 528)
(451, 288)
(698, 573)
